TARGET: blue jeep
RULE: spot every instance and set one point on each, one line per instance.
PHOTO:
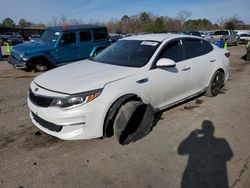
(58, 46)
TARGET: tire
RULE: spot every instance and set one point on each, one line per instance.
(41, 66)
(216, 83)
(133, 122)
(28, 69)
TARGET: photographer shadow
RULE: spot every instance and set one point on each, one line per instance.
(208, 156)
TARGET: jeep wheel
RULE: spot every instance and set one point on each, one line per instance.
(133, 122)
(41, 66)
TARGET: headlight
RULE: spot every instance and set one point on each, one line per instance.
(76, 100)
(23, 56)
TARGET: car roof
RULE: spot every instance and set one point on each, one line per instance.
(75, 27)
(157, 37)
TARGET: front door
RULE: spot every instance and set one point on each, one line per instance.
(68, 50)
(170, 84)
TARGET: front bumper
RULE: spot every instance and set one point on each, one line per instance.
(83, 122)
(18, 64)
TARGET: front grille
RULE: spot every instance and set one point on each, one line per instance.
(40, 100)
(46, 124)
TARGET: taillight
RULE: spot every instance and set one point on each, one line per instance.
(227, 54)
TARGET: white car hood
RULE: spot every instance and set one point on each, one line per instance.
(82, 76)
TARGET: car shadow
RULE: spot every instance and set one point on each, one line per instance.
(207, 158)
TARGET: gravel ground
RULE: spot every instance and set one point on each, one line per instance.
(170, 156)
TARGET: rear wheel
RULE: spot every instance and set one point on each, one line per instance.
(215, 85)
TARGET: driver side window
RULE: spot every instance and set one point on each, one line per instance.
(173, 50)
(68, 38)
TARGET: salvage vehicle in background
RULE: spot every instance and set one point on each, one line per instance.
(244, 38)
(225, 35)
(15, 38)
(6, 36)
(194, 33)
(58, 46)
(119, 90)
(12, 37)
(34, 37)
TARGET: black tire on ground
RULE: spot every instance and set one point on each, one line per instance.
(216, 83)
(133, 122)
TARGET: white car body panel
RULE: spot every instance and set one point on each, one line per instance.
(86, 74)
(163, 79)
(162, 87)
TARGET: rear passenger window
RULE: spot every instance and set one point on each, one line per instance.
(208, 46)
(68, 38)
(85, 36)
(173, 51)
(195, 47)
(100, 34)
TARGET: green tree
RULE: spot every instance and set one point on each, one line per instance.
(24, 23)
(145, 18)
(230, 25)
(125, 18)
(197, 24)
(8, 22)
(158, 26)
(145, 21)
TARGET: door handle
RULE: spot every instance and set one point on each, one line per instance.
(212, 60)
(142, 81)
(187, 67)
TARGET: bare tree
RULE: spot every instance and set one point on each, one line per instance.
(221, 21)
(172, 25)
(53, 22)
(183, 15)
(63, 20)
(75, 22)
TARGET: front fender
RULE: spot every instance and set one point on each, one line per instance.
(44, 55)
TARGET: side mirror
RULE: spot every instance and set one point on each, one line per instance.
(164, 62)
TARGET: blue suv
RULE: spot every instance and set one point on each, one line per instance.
(58, 46)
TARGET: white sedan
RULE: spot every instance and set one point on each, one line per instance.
(119, 90)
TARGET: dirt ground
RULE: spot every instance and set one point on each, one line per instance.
(170, 156)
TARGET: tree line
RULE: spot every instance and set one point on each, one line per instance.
(143, 22)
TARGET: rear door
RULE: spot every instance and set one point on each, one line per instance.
(170, 84)
(200, 56)
(85, 44)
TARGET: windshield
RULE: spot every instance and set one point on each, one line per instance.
(221, 33)
(245, 35)
(50, 37)
(130, 53)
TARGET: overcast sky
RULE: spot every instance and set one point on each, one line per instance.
(42, 11)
